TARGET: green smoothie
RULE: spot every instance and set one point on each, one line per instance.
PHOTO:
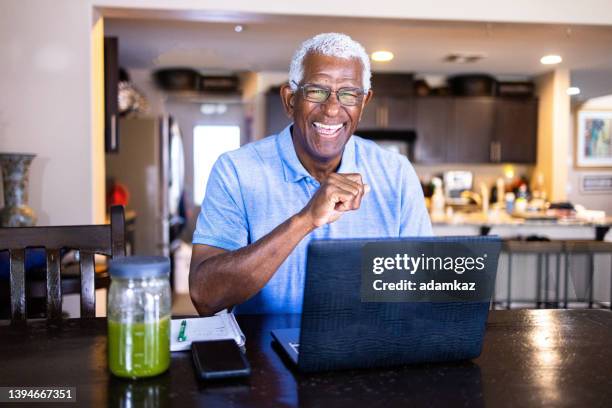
(138, 349)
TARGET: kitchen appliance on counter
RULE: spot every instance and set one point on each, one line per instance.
(455, 183)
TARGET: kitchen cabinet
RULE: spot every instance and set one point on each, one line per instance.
(433, 124)
(453, 130)
(392, 84)
(515, 130)
(470, 138)
(392, 107)
(388, 113)
(475, 130)
(399, 113)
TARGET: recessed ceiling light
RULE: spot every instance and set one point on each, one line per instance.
(382, 56)
(238, 28)
(551, 59)
(573, 90)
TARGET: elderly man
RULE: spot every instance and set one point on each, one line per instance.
(265, 201)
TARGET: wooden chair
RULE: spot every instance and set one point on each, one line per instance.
(88, 240)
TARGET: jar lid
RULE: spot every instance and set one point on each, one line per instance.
(140, 267)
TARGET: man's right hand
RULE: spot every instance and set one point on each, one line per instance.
(339, 193)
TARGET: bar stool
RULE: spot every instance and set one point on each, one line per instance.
(589, 248)
(543, 250)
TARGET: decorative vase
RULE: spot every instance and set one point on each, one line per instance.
(15, 168)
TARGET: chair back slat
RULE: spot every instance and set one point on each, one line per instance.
(95, 238)
(54, 285)
(17, 273)
(117, 231)
(89, 240)
(88, 290)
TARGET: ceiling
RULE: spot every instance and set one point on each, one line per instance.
(419, 46)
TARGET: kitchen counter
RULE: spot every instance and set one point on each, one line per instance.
(507, 226)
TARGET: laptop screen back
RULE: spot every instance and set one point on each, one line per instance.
(340, 331)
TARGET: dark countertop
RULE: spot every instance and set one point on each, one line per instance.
(530, 358)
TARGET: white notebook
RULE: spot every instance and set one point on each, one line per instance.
(221, 326)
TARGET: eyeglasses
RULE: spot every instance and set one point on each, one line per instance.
(320, 94)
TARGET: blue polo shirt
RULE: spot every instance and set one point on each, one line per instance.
(252, 190)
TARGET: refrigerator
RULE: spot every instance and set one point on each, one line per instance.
(149, 163)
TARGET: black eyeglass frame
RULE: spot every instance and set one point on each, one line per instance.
(360, 91)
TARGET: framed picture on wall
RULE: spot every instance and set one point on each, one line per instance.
(594, 139)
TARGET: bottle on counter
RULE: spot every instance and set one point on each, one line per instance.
(484, 196)
(438, 202)
(520, 204)
(500, 187)
(509, 198)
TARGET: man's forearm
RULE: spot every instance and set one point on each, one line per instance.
(232, 277)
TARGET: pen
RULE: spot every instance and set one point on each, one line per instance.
(181, 335)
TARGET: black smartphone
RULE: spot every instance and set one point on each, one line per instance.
(219, 359)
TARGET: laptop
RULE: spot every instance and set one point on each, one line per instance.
(339, 330)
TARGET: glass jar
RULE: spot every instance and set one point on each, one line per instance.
(139, 307)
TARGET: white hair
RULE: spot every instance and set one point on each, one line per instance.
(332, 45)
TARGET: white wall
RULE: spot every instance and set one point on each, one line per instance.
(45, 77)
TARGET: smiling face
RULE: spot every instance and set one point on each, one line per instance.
(320, 130)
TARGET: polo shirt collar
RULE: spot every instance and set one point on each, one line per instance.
(292, 167)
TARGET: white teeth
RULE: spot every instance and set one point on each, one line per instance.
(328, 127)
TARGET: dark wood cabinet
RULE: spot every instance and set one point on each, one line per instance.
(433, 124)
(515, 130)
(388, 113)
(392, 84)
(400, 113)
(393, 105)
(470, 138)
(370, 115)
(475, 130)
